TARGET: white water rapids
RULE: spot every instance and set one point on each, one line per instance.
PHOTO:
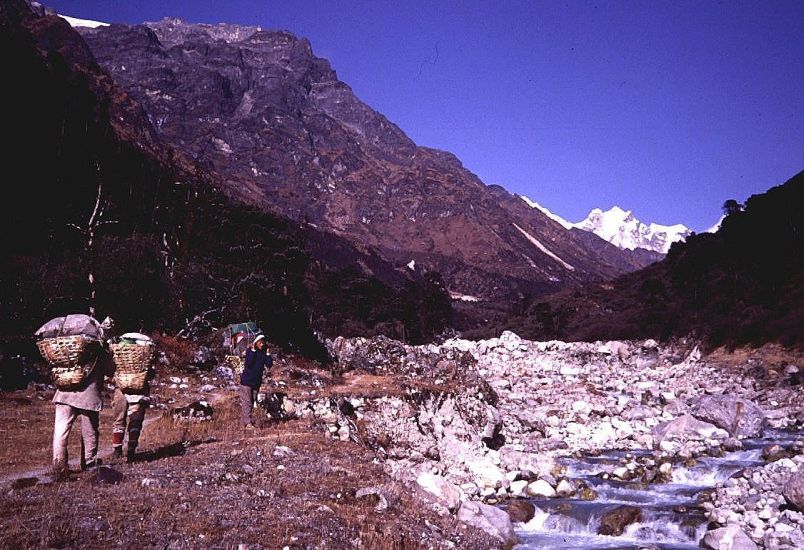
(670, 516)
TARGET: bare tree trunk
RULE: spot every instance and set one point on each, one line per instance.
(94, 222)
(91, 224)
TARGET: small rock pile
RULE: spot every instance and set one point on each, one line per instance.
(755, 501)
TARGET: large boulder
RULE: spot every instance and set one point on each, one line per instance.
(492, 520)
(794, 490)
(540, 488)
(730, 537)
(614, 522)
(443, 491)
(740, 417)
(687, 428)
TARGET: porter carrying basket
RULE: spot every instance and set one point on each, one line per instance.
(132, 360)
(71, 358)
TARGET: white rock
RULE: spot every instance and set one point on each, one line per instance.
(486, 473)
(621, 472)
(565, 488)
(540, 488)
(493, 521)
(440, 488)
(518, 487)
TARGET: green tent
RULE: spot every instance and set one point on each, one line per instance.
(249, 327)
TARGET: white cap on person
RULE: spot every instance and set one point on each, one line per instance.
(258, 338)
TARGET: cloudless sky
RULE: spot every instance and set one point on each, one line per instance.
(663, 108)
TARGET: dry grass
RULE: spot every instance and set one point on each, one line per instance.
(210, 484)
(770, 355)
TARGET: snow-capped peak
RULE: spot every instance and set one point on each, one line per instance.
(75, 22)
(621, 228)
(546, 212)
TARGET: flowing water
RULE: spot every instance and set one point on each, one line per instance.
(671, 517)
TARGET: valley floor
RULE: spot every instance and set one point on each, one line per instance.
(382, 451)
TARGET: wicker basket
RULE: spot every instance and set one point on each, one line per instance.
(68, 352)
(130, 358)
(235, 362)
(131, 382)
(131, 365)
(71, 378)
(71, 359)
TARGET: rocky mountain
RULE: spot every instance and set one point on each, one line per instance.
(273, 120)
(622, 229)
(106, 214)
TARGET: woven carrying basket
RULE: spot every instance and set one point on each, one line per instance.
(131, 382)
(131, 358)
(235, 362)
(67, 351)
(131, 365)
(71, 378)
(71, 359)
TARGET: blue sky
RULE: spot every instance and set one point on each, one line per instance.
(664, 108)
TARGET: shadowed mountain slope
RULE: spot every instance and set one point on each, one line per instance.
(284, 133)
(104, 207)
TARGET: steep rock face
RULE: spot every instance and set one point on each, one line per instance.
(276, 123)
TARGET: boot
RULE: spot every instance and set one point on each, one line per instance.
(131, 453)
(90, 464)
(117, 451)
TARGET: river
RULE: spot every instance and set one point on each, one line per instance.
(671, 517)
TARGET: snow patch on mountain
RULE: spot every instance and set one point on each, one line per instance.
(463, 297)
(622, 229)
(546, 212)
(76, 22)
(543, 248)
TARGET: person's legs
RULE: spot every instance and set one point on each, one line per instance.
(120, 410)
(90, 424)
(135, 419)
(246, 403)
(65, 416)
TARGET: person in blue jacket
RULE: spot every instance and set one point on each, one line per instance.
(257, 359)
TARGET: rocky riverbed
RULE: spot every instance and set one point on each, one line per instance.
(492, 421)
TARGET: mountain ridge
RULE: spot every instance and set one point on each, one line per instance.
(622, 229)
(286, 135)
